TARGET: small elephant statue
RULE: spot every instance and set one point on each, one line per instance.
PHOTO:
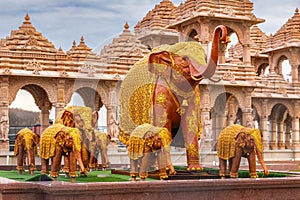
(235, 142)
(99, 147)
(145, 143)
(162, 89)
(57, 141)
(26, 146)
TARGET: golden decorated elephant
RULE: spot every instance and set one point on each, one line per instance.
(235, 142)
(71, 136)
(26, 144)
(146, 145)
(162, 89)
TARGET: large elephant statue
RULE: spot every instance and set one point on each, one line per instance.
(26, 146)
(163, 89)
(145, 144)
(235, 142)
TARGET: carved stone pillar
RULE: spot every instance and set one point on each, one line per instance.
(111, 115)
(281, 144)
(60, 100)
(273, 144)
(247, 111)
(294, 73)
(4, 115)
(45, 112)
(264, 124)
(295, 136)
(287, 135)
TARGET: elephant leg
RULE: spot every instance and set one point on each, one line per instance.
(72, 166)
(31, 160)
(83, 171)
(236, 163)
(133, 169)
(144, 165)
(45, 166)
(222, 167)
(20, 159)
(252, 164)
(66, 165)
(92, 157)
(162, 163)
(56, 164)
(190, 136)
(85, 157)
(104, 158)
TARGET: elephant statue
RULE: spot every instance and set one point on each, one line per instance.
(64, 138)
(26, 146)
(93, 141)
(162, 89)
(146, 143)
(99, 147)
(59, 140)
(235, 142)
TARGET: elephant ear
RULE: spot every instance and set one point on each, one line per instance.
(60, 138)
(161, 64)
(241, 139)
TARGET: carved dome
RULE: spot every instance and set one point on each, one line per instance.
(288, 35)
(218, 8)
(27, 38)
(156, 19)
(122, 53)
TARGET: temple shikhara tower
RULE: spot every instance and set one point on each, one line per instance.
(257, 82)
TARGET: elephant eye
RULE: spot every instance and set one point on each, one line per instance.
(185, 58)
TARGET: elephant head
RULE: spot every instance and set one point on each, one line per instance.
(246, 142)
(65, 140)
(187, 59)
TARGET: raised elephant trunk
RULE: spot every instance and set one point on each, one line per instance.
(209, 70)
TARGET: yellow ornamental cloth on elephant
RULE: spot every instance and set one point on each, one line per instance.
(136, 142)
(48, 142)
(102, 137)
(226, 141)
(28, 136)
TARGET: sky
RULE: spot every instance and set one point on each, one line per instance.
(99, 21)
(63, 21)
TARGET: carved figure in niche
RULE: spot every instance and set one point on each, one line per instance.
(113, 131)
(207, 129)
(4, 127)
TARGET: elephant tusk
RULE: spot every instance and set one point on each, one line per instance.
(196, 79)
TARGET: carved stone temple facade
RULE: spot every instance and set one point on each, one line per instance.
(248, 88)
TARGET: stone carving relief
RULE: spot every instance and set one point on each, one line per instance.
(4, 127)
(88, 68)
(34, 66)
(229, 77)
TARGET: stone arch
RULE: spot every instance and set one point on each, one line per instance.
(35, 87)
(258, 107)
(261, 68)
(287, 104)
(195, 28)
(86, 88)
(231, 28)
